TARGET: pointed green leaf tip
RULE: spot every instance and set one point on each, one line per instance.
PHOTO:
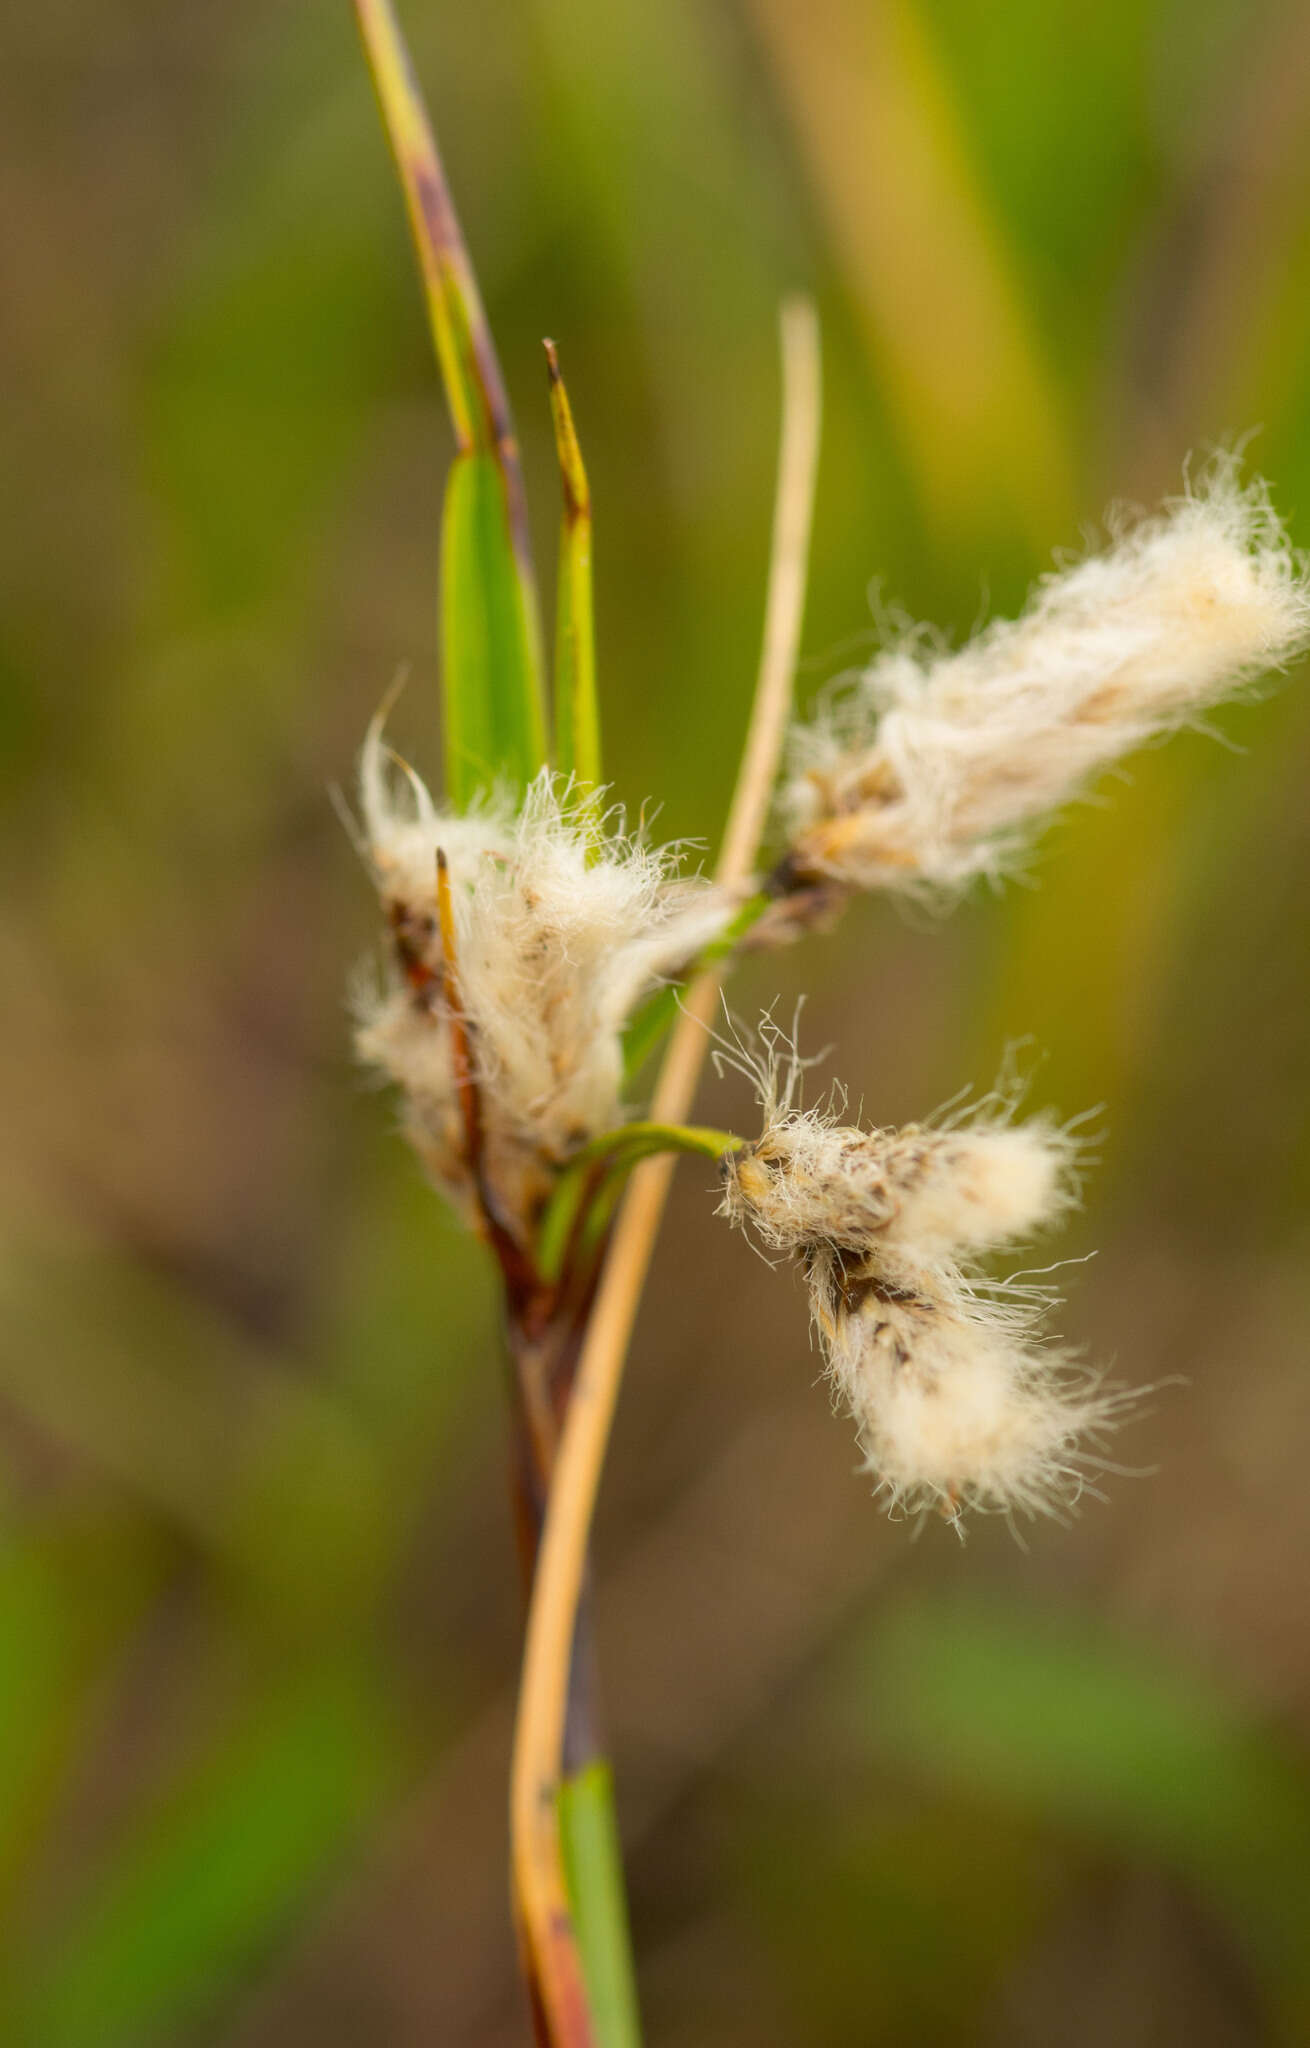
(495, 724)
(577, 709)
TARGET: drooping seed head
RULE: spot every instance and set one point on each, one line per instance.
(957, 1406)
(957, 1401)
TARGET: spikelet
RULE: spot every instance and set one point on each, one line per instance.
(957, 1401)
(957, 1404)
(921, 1189)
(562, 923)
(930, 770)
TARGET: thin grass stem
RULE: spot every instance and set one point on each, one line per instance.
(540, 1881)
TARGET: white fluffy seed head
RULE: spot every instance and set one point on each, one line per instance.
(979, 1187)
(562, 923)
(957, 1402)
(958, 1190)
(956, 1407)
(928, 771)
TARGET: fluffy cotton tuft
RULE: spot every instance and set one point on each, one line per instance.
(958, 1403)
(562, 924)
(928, 771)
(973, 1188)
(957, 1406)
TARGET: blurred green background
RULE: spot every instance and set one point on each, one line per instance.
(258, 1603)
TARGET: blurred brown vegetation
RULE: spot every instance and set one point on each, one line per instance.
(258, 1611)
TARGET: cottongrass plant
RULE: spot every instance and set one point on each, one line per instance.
(538, 951)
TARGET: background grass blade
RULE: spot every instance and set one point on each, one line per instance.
(490, 629)
(201, 1885)
(976, 402)
(577, 709)
(1101, 1738)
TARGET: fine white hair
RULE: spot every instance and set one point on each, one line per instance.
(934, 766)
(958, 1401)
(562, 921)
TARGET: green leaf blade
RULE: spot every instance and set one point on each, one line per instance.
(593, 1866)
(493, 715)
(491, 632)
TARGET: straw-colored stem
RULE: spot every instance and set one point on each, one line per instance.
(539, 1877)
